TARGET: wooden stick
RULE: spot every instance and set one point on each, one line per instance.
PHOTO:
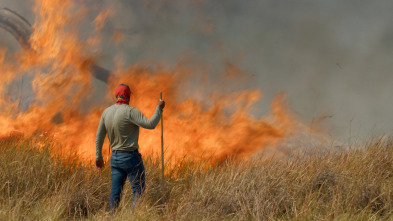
(162, 146)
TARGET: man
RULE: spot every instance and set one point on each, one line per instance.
(121, 122)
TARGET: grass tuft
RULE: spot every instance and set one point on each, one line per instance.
(36, 184)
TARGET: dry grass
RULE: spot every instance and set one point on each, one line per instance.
(356, 184)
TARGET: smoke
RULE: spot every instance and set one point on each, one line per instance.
(22, 7)
(331, 58)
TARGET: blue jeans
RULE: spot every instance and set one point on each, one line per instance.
(125, 164)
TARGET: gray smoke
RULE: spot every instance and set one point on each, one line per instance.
(332, 58)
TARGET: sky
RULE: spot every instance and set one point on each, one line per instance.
(332, 58)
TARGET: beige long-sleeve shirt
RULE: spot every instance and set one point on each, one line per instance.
(121, 123)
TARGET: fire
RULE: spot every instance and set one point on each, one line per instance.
(219, 126)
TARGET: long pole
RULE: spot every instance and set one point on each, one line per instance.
(162, 145)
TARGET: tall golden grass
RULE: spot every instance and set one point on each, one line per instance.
(353, 184)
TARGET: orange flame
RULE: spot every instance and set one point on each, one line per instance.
(220, 126)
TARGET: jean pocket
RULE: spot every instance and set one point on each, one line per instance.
(126, 157)
(134, 161)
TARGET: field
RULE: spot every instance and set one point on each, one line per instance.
(355, 184)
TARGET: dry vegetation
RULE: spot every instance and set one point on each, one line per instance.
(357, 184)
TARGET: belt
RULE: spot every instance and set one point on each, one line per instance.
(123, 151)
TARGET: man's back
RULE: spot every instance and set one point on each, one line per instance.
(121, 122)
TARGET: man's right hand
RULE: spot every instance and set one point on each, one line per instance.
(99, 164)
(161, 103)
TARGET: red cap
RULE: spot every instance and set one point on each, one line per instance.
(123, 94)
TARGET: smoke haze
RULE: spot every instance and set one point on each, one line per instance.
(331, 58)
